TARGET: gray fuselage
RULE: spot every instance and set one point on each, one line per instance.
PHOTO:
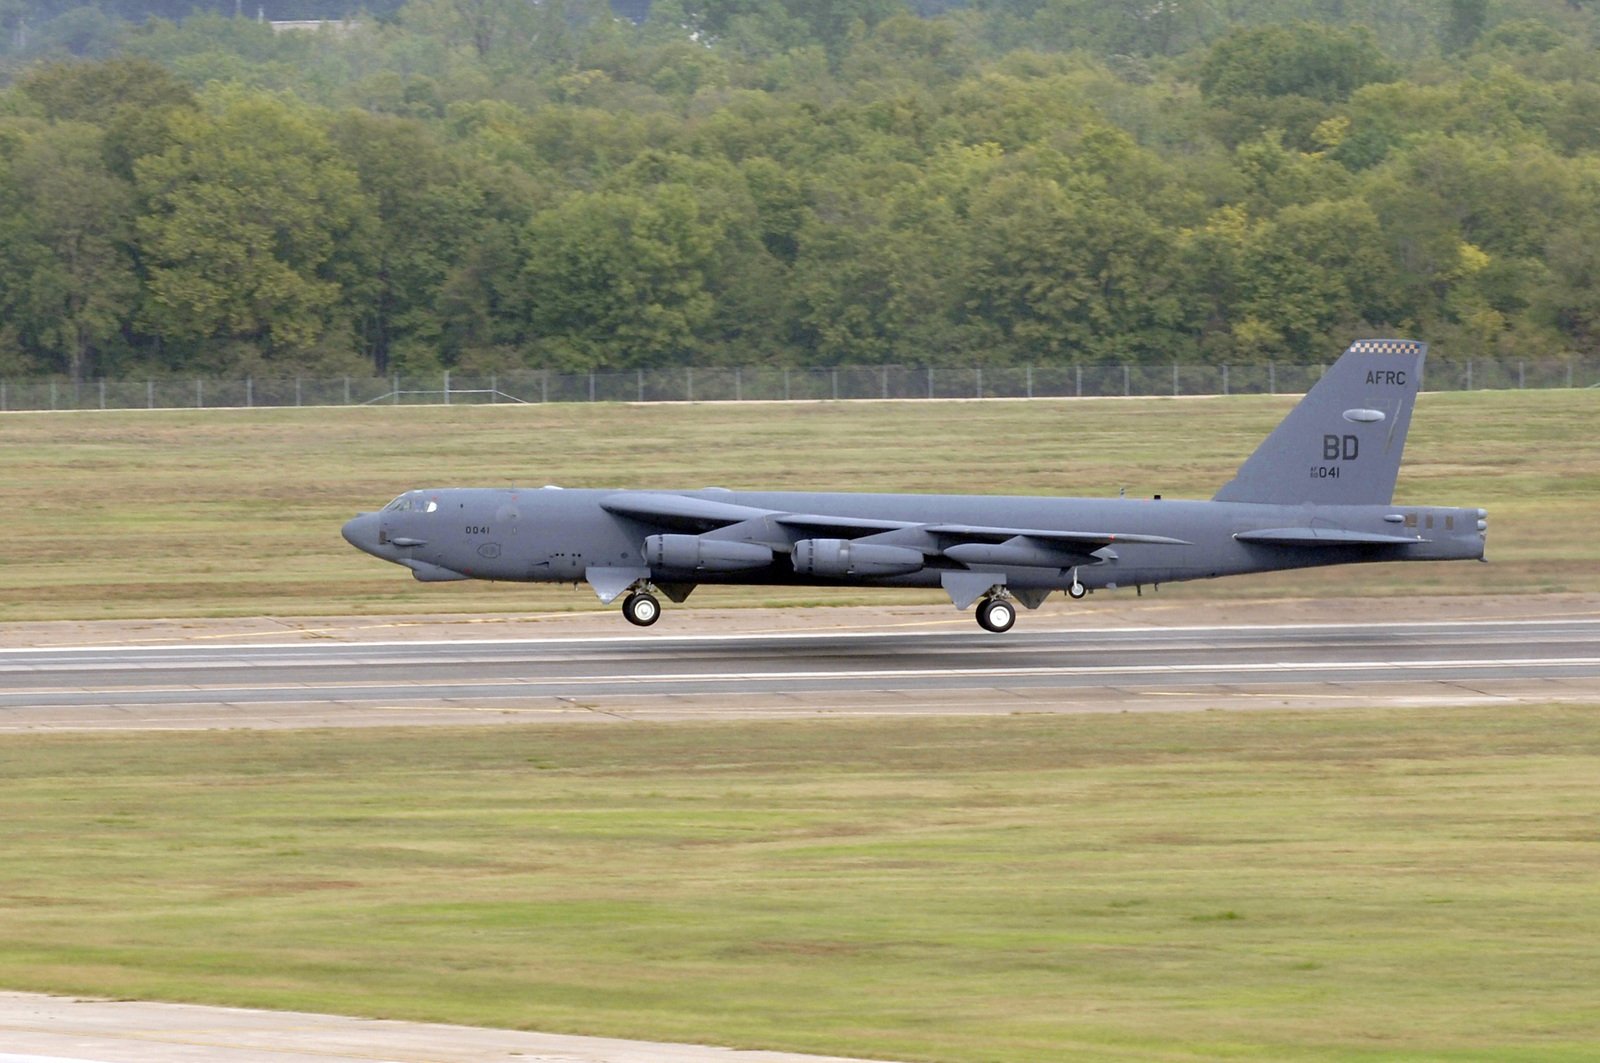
(555, 535)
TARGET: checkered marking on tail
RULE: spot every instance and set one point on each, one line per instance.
(1386, 347)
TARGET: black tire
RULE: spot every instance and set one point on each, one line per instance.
(1077, 591)
(996, 615)
(641, 609)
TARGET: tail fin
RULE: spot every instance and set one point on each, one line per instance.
(1341, 444)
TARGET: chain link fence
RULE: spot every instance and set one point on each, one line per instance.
(761, 383)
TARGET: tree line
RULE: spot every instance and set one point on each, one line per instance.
(493, 184)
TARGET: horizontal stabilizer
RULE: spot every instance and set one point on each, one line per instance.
(1323, 537)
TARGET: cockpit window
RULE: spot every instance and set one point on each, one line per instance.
(412, 502)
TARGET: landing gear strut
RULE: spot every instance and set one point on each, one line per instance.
(996, 614)
(1077, 590)
(641, 608)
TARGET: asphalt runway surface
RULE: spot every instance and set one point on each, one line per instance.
(661, 676)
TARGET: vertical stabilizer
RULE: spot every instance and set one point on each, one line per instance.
(1341, 444)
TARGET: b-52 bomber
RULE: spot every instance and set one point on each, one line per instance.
(1316, 492)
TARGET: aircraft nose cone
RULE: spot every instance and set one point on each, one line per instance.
(361, 532)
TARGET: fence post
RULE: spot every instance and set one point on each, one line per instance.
(52, 393)
(297, 396)
(688, 382)
(1224, 380)
(1079, 369)
(1174, 379)
(738, 384)
(199, 394)
(1569, 374)
(1521, 377)
(149, 394)
(249, 392)
(544, 385)
(102, 393)
(883, 375)
(2, 396)
(1469, 374)
(347, 391)
(447, 387)
(1127, 381)
(930, 381)
(1030, 381)
(639, 383)
(394, 396)
(591, 385)
(494, 389)
(1272, 378)
(980, 381)
(786, 385)
(834, 374)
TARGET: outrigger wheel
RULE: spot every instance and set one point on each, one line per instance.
(996, 614)
(641, 608)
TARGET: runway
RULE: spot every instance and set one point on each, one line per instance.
(660, 676)
(44, 1029)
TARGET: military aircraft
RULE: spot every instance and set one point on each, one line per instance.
(1316, 492)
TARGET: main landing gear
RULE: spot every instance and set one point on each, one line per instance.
(641, 608)
(996, 614)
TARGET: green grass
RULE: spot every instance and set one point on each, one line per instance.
(237, 512)
(1347, 885)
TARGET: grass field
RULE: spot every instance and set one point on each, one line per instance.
(1346, 885)
(237, 512)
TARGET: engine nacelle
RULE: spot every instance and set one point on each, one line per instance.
(693, 553)
(837, 558)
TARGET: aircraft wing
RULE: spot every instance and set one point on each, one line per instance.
(1072, 540)
(694, 513)
(685, 512)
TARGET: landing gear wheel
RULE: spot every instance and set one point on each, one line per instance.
(641, 608)
(1077, 590)
(996, 614)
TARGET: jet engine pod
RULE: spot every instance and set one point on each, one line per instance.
(694, 554)
(842, 557)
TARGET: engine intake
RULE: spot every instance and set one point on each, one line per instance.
(695, 554)
(842, 557)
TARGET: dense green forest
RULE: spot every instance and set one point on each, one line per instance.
(489, 184)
